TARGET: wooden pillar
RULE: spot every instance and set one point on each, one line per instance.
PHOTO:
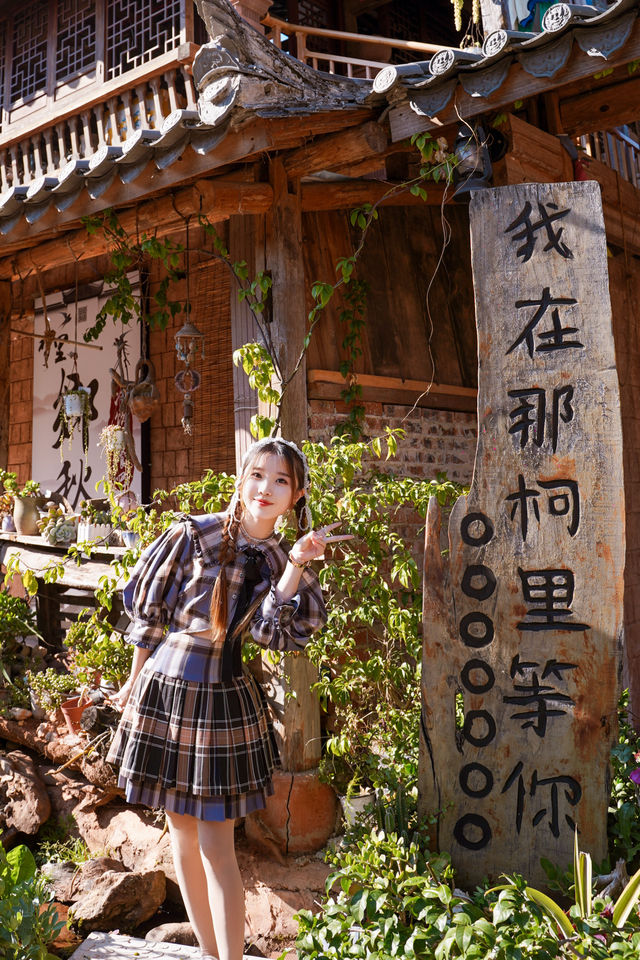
(299, 716)
(246, 242)
(494, 16)
(253, 11)
(5, 360)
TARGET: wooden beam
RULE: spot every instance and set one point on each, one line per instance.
(328, 385)
(602, 108)
(519, 85)
(343, 195)
(217, 199)
(358, 143)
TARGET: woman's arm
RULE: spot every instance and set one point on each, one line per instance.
(140, 657)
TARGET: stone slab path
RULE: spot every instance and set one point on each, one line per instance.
(115, 946)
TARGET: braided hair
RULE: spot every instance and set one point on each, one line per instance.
(296, 470)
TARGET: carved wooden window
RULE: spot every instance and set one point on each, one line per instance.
(29, 59)
(313, 14)
(139, 31)
(76, 43)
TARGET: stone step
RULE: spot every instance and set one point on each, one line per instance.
(116, 946)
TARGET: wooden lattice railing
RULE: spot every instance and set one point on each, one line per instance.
(348, 54)
(618, 149)
(110, 114)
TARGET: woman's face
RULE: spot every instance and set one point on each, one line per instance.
(267, 492)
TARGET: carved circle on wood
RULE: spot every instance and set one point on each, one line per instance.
(470, 585)
(472, 685)
(442, 61)
(556, 17)
(466, 775)
(476, 529)
(479, 716)
(495, 43)
(472, 639)
(472, 820)
(385, 80)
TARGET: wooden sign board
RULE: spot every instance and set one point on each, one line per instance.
(523, 619)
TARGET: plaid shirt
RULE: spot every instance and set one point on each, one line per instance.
(171, 585)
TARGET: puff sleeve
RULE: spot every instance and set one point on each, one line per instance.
(289, 625)
(150, 596)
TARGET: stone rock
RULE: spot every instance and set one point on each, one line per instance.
(24, 801)
(173, 933)
(119, 900)
(87, 874)
(59, 877)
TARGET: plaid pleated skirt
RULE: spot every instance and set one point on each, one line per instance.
(190, 742)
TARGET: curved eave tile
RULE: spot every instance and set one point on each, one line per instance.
(541, 55)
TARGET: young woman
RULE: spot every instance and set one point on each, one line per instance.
(194, 736)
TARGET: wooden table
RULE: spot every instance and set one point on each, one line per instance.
(59, 603)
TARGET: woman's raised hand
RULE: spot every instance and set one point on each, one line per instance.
(312, 545)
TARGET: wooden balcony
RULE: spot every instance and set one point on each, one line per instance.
(97, 121)
(618, 149)
(347, 54)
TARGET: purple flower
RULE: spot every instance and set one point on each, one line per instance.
(635, 775)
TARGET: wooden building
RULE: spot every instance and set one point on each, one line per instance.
(276, 132)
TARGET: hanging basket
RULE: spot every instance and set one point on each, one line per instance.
(73, 404)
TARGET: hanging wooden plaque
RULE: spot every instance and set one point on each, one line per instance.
(523, 618)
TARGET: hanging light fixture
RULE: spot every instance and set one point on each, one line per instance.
(473, 170)
(189, 347)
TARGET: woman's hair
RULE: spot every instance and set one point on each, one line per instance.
(296, 471)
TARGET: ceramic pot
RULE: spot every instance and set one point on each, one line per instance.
(7, 524)
(72, 711)
(25, 516)
(73, 405)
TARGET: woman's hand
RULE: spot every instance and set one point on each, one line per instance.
(313, 544)
(121, 698)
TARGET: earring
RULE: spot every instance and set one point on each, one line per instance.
(305, 521)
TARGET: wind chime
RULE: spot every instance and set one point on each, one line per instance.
(189, 344)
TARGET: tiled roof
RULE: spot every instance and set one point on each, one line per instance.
(232, 92)
(429, 86)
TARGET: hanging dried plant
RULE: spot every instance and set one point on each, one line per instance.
(457, 13)
(113, 443)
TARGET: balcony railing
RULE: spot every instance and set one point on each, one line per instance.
(618, 149)
(110, 114)
(347, 54)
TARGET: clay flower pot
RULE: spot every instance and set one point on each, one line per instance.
(72, 711)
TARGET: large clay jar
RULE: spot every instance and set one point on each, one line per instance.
(25, 516)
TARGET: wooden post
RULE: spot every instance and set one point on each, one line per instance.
(523, 625)
(298, 715)
(494, 16)
(246, 242)
(5, 360)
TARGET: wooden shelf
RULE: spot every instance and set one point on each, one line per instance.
(328, 385)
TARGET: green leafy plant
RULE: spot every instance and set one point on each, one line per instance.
(17, 621)
(623, 826)
(51, 688)
(28, 924)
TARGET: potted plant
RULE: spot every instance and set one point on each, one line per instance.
(75, 411)
(6, 512)
(95, 522)
(57, 527)
(25, 507)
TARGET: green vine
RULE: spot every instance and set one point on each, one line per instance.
(353, 317)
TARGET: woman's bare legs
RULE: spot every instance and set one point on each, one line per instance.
(192, 879)
(226, 894)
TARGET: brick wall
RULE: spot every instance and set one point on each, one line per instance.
(435, 441)
(21, 401)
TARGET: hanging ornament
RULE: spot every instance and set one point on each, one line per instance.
(189, 346)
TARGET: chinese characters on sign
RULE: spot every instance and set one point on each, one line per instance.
(527, 625)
